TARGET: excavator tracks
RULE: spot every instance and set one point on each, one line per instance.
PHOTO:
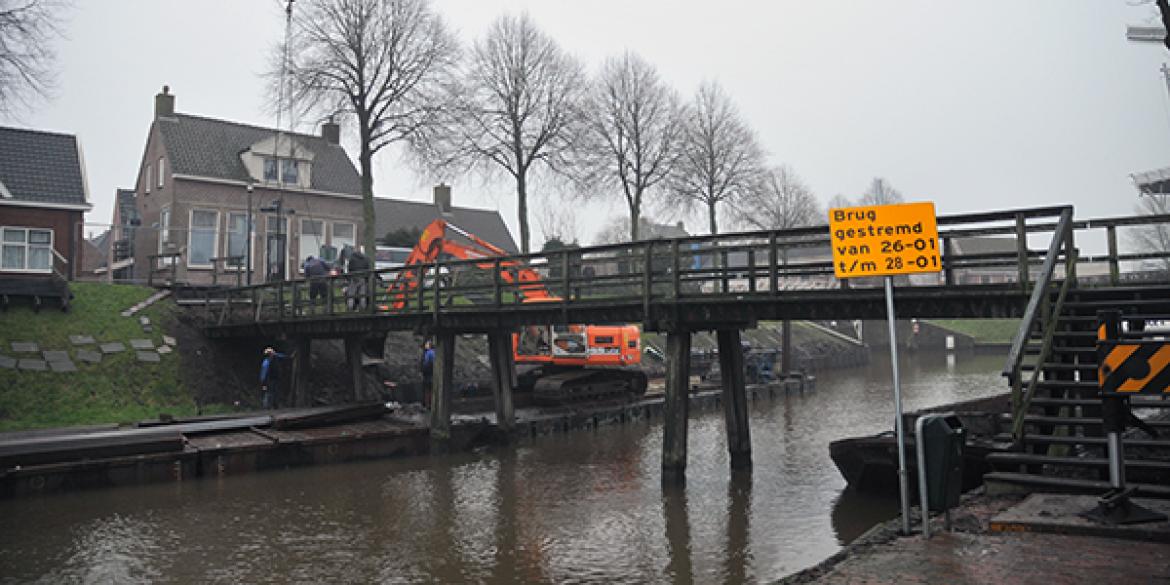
(555, 387)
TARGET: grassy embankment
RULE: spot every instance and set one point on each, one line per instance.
(119, 389)
(982, 330)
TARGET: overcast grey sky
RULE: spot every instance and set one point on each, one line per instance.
(974, 105)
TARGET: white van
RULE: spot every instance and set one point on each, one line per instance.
(390, 257)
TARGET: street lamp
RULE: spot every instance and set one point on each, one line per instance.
(248, 237)
(277, 207)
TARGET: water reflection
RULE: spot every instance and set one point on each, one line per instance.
(678, 534)
(738, 552)
(855, 512)
(580, 507)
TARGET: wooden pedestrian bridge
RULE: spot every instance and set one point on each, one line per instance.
(1027, 263)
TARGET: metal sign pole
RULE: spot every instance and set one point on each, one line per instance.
(903, 477)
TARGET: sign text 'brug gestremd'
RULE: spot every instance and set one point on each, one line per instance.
(884, 240)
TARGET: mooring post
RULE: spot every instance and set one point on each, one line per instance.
(442, 386)
(301, 366)
(500, 351)
(739, 440)
(674, 432)
(353, 357)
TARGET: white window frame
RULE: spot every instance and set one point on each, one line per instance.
(227, 240)
(149, 176)
(161, 172)
(284, 227)
(191, 229)
(264, 169)
(28, 248)
(296, 168)
(301, 253)
(164, 235)
(352, 240)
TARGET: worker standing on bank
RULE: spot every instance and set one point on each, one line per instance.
(427, 367)
(270, 377)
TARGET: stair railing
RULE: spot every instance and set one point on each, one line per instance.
(1040, 313)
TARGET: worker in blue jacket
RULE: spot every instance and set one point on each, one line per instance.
(270, 377)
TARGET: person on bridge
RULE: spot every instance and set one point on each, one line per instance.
(270, 377)
(316, 271)
(356, 264)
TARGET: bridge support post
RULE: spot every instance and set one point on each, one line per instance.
(353, 358)
(299, 393)
(676, 407)
(442, 386)
(739, 440)
(500, 350)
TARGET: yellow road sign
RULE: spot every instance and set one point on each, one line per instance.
(883, 240)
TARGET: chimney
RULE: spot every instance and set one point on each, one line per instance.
(164, 103)
(443, 198)
(331, 132)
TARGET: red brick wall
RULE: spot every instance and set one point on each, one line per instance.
(66, 226)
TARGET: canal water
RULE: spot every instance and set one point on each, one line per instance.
(581, 507)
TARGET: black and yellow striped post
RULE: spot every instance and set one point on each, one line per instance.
(1124, 368)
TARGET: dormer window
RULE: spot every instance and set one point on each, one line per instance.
(270, 170)
(288, 170)
(290, 164)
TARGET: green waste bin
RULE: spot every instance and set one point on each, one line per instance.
(944, 438)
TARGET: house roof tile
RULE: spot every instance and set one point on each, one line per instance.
(206, 147)
(41, 167)
(396, 214)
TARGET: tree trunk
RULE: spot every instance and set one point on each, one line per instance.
(711, 214)
(522, 199)
(635, 217)
(366, 160)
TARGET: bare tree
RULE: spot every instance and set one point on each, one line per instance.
(781, 201)
(26, 57)
(387, 64)
(616, 231)
(634, 122)
(557, 222)
(720, 157)
(520, 108)
(1153, 238)
(839, 200)
(880, 192)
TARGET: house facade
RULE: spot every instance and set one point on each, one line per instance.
(43, 200)
(202, 179)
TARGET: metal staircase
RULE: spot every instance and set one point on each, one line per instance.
(1057, 425)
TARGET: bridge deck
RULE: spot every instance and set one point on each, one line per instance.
(695, 283)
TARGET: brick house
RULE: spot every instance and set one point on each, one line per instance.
(200, 179)
(43, 200)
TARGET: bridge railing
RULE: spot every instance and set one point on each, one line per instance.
(999, 249)
(1147, 239)
(1040, 315)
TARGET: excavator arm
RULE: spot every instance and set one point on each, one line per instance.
(435, 244)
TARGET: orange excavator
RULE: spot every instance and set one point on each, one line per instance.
(560, 363)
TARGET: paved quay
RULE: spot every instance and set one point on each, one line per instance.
(976, 554)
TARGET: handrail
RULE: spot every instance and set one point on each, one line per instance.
(1060, 237)
(1021, 397)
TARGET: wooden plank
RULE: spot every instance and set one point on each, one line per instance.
(675, 408)
(328, 415)
(739, 441)
(443, 386)
(500, 354)
(60, 448)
